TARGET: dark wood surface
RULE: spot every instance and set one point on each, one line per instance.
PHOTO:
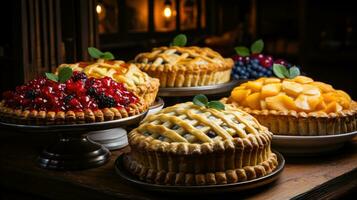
(329, 176)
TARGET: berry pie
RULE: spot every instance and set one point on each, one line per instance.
(298, 106)
(185, 66)
(133, 78)
(78, 100)
(187, 144)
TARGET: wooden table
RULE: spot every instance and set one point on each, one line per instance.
(305, 178)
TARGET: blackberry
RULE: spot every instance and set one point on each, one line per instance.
(30, 94)
(68, 98)
(105, 101)
(92, 92)
(79, 76)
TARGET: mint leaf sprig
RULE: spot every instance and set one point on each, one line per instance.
(202, 100)
(281, 71)
(64, 74)
(180, 40)
(255, 48)
(97, 54)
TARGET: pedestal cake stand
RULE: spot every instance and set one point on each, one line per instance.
(73, 150)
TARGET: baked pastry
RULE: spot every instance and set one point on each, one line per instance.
(298, 106)
(185, 66)
(187, 144)
(133, 78)
(78, 100)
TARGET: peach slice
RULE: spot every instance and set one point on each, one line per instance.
(280, 102)
(263, 104)
(321, 106)
(255, 86)
(239, 95)
(333, 107)
(271, 80)
(302, 103)
(292, 88)
(310, 90)
(314, 101)
(338, 96)
(253, 101)
(323, 86)
(330, 97)
(270, 90)
(302, 79)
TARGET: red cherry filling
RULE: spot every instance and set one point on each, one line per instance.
(76, 94)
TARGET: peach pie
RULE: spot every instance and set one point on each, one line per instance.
(298, 106)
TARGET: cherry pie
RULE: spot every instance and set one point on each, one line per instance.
(78, 100)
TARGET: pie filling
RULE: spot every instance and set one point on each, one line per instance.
(77, 94)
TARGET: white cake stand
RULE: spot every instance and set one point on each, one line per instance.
(116, 138)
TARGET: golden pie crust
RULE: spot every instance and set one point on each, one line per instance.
(135, 80)
(35, 117)
(185, 66)
(298, 106)
(304, 124)
(191, 145)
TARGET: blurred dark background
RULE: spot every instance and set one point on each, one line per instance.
(38, 35)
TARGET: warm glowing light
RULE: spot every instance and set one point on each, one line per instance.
(98, 8)
(167, 11)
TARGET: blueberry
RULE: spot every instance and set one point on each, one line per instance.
(79, 76)
(30, 94)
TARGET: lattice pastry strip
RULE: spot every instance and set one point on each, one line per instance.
(197, 125)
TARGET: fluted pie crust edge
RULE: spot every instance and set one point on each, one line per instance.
(302, 123)
(220, 162)
(198, 75)
(34, 117)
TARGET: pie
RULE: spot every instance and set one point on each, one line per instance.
(298, 106)
(133, 78)
(185, 66)
(78, 100)
(188, 144)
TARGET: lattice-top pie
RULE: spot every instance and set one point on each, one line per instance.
(185, 66)
(298, 106)
(188, 144)
(134, 79)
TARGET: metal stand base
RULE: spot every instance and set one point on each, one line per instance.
(73, 152)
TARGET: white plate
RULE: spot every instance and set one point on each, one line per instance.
(310, 145)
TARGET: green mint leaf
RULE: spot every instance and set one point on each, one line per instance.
(94, 52)
(216, 105)
(257, 46)
(200, 100)
(242, 51)
(52, 77)
(64, 74)
(280, 71)
(293, 72)
(180, 40)
(107, 56)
